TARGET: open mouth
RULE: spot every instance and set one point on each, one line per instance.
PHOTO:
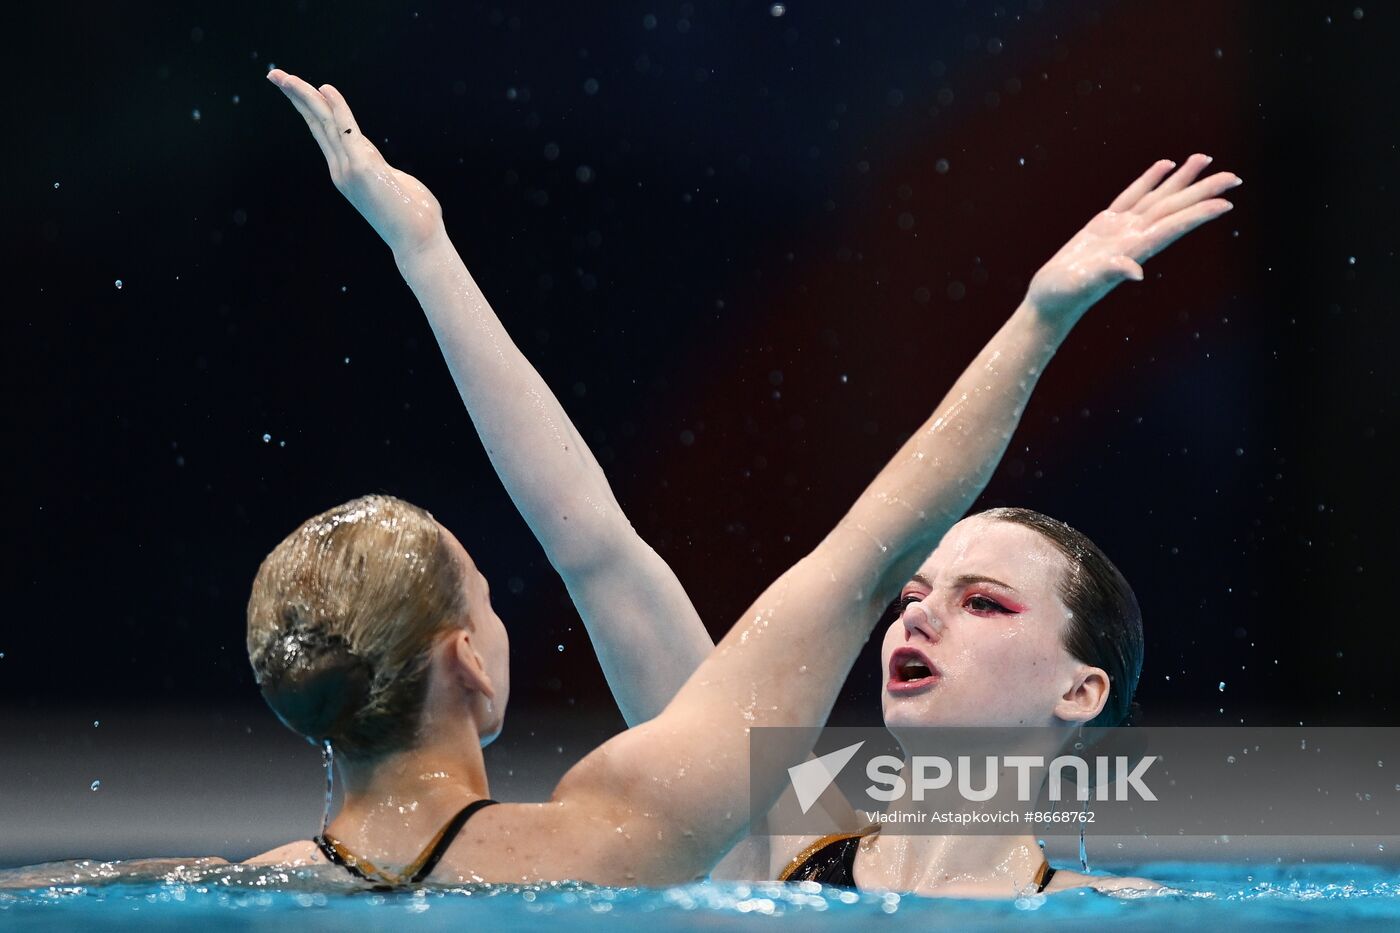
(911, 672)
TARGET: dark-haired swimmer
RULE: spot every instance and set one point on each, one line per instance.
(313, 644)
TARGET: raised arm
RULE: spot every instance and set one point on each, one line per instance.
(647, 634)
(782, 664)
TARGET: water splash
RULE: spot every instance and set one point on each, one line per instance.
(328, 759)
(1083, 849)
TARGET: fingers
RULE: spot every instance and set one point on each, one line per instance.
(316, 110)
(1209, 187)
(306, 98)
(340, 111)
(1182, 177)
(1145, 183)
(1169, 229)
(352, 141)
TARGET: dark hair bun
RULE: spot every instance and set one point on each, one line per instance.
(315, 683)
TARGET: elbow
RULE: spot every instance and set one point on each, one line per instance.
(593, 544)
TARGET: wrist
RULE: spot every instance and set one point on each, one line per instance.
(1055, 322)
(407, 255)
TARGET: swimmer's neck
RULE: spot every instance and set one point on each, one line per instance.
(443, 771)
(934, 864)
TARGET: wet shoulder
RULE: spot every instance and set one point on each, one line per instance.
(301, 852)
(1066, 880)
(523, 843)
(603, 839)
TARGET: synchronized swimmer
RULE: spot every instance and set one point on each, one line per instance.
(369, 627)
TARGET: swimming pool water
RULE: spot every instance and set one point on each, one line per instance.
(1207, 895)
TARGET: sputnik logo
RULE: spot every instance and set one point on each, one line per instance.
(811, 778)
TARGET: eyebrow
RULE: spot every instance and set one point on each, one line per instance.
(966, 579)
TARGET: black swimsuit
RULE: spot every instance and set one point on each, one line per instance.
(831, 860)
(417, 870)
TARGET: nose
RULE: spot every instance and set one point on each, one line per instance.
(919, 618)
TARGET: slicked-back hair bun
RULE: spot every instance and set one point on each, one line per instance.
(342, 618)
(315, 683)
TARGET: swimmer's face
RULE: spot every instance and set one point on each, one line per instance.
(990, 649)
(489, 639)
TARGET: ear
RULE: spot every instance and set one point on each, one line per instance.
(1086, 696)
(468, 667)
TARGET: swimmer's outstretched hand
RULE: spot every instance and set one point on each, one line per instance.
(1145, 219)
(400, 207)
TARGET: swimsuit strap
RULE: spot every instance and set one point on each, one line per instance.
(831, 857)
(1043, 874)
(337, 853)
(435, 850)
(331, 849)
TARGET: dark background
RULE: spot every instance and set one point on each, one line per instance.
(727, 240)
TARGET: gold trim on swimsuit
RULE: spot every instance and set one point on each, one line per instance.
(801, 858)
(1043, 874)
(415, 871)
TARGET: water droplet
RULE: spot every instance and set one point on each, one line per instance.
(1351, 260)
(347, 361)
(119, 283)
(560, 647)
(343, 289)
(777, 9)
(844, 378)
(195, 113)
(1230, 759)
(55, 184)
(941, 166)
(96, 723)
(94, 785)
(267, 438)
(1222, 686)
